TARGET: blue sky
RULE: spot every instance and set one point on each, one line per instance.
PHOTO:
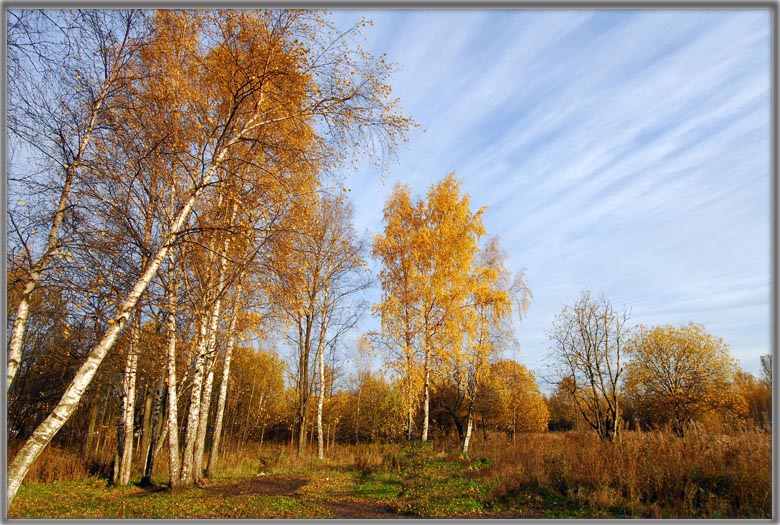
(626, 152)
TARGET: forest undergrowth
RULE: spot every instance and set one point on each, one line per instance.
(551, 475)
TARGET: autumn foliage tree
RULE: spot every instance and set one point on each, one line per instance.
(512, 401)
(678, 375)
(758, 399)
(487, 326)
(399, 310)
(427, 251)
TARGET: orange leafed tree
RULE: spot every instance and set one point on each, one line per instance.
(400, 306)
(677, 375)
(427, 251)
(512, 401)
(487, 322)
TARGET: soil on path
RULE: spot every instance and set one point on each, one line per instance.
(339, 504)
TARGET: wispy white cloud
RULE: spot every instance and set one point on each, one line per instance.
(624, 151)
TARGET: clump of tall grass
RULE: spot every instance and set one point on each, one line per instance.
(270, 458)
(54, 464)
(643, 474)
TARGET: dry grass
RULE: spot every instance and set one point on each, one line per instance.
(54, 464)
(272, 458)
(652, 474)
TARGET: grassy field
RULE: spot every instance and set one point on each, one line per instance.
(652, 475)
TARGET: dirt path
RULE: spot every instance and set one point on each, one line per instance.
(334, 497)
(352, 509)
(266, 486)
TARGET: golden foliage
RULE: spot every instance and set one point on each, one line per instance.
(680, 374)
(427, 250)
(511, 400)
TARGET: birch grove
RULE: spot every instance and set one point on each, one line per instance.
(208, 97)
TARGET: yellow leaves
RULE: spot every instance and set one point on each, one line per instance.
(680, 373)
(511, 399)
(438, 295)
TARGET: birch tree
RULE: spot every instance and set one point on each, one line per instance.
(223, 385)
(323, 271)
(434, 280)
(58, 95)
(399, 310)
(488, 328)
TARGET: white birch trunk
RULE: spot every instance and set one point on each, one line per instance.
(321, 355)
(173, 399)
(469, 429)
(223, 388)
(126, 427)
(426, 403)
(320, 404)
(193, 417)
(200, 445)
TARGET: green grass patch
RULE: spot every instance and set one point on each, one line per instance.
(431, 485)
(379, 486)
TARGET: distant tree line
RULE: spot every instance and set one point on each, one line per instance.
(611, 377)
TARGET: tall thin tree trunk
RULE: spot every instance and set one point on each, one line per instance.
(410, 413)
(211, 353)
(200, 444)
(357, 410)
(103, 418)
(320, 403)
(426, 402)
(223, 388)
(146, 427)
(173, 399)
(124, 458)
(93, 416)
(162, 440)
(304, 345)
(155, 423)
(321, 355)
(193, 416)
